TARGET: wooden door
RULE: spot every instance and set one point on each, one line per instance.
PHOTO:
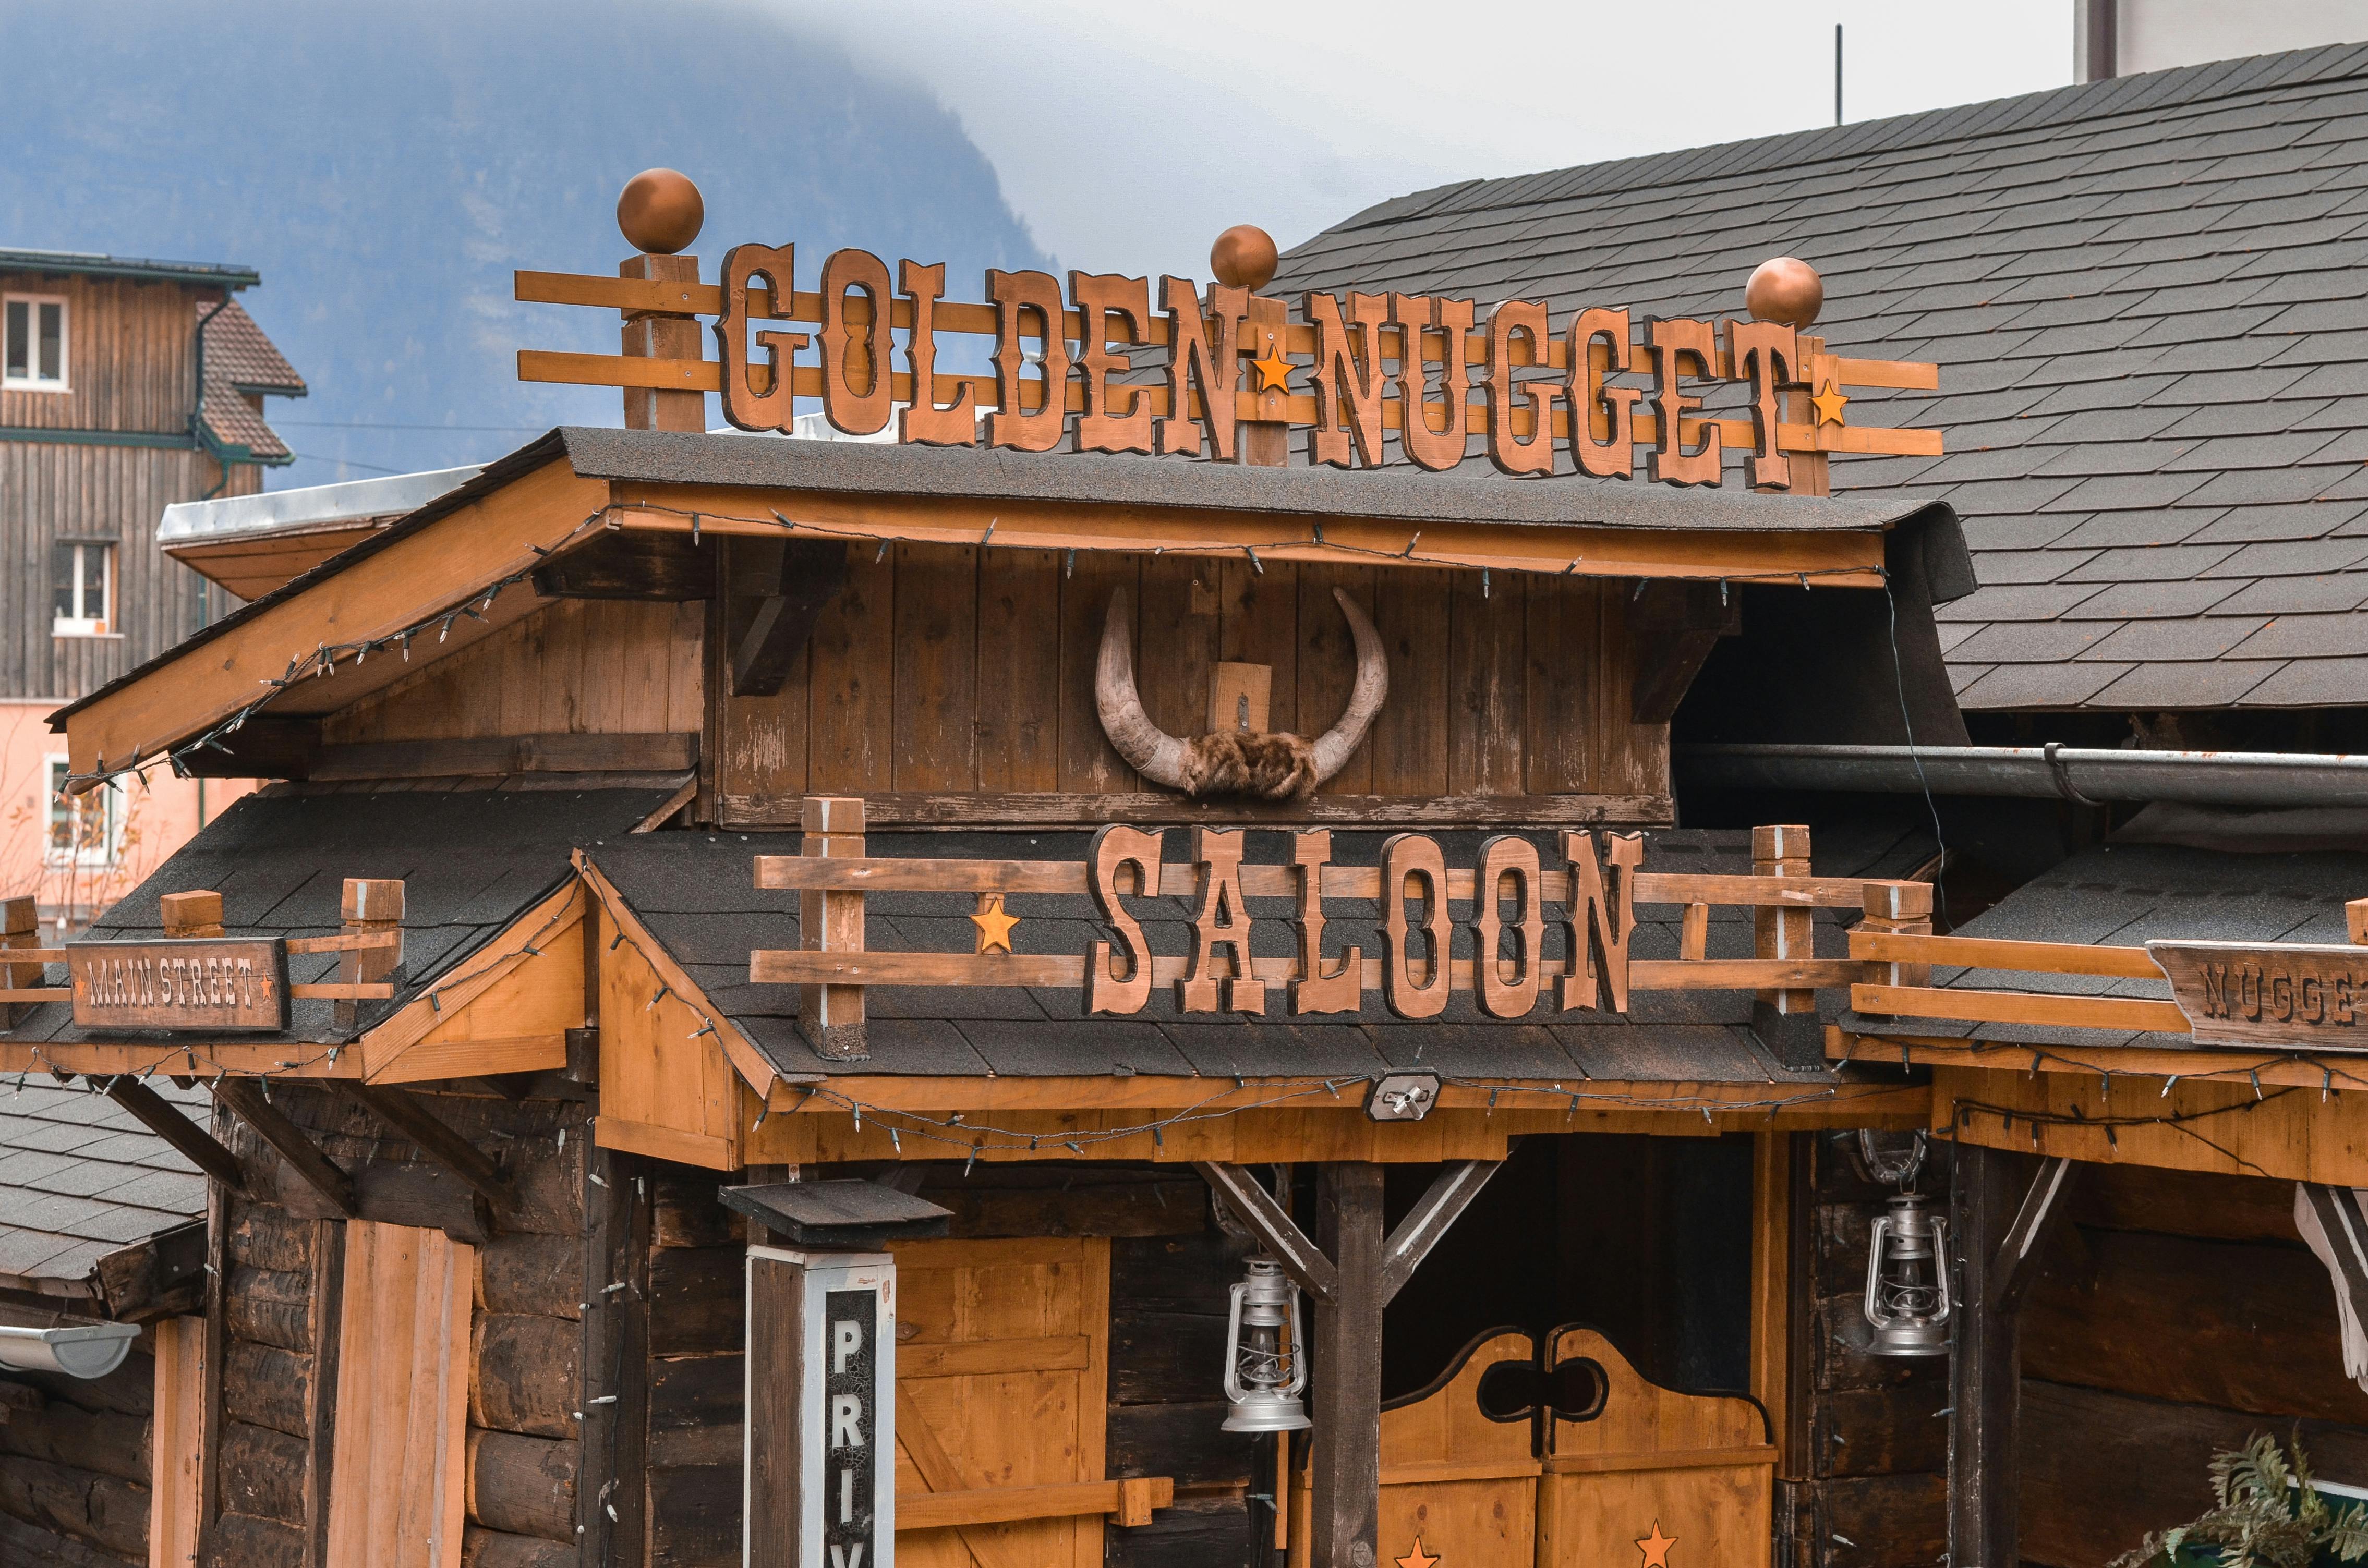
(1686, 1480)
(1458, 1489)
(1002, 1358)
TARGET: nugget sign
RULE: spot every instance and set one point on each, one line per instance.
(200, 984)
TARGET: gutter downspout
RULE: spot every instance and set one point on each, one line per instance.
(2085, 775)
(204, 438)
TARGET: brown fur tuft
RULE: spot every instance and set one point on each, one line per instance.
(1234, 762)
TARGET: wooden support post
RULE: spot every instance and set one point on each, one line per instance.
(612, 1484)
(1345, 1452)
(1451, 1192)
(1785, 1021)
(369, 905)
(197, 914)
(1900, 909)
(1811, 471)
(2016, 1263)
(20, 921)
(831, 1016)
(1265, 442)
(245, 1099)
(326, 1312)
(163, 1118)
(1771, 1293)
(663, 335)
(403, 1111)
(1985, 1369)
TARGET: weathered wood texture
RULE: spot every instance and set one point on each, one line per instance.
(579, 666)
(129, 368)
(1167, 1350)
(73, 1457)
(1875, 1446)
(2175, 1313)
(945, 669)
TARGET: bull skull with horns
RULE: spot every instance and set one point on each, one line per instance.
(1274, 766)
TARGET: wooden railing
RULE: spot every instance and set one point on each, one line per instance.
(1900, 990)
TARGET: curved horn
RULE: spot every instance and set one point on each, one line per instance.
(1148, 749)
(1334, 745)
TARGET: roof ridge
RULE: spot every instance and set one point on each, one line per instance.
(2150, 91)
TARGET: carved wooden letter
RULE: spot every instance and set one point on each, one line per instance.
(746, 408)
(1406, 856)
(1197, 359)
(1115, 419)
(1526, 318)
(955, 424)
(1602, 418)
(1674, 342)
(858, 414)
(1348, 379)
(1766, 354)
(1114, 848)
(1219, 920)
(1314, 991)
(1601, 920)
(1502, 857)
(1015, 294)
(1412, 314)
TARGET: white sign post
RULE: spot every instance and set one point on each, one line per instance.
(821, 1473)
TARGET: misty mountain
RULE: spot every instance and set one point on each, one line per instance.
(386, 167)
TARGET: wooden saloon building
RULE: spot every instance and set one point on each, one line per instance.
(1087, 984)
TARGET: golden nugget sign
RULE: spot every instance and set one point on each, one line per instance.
(1432, 352)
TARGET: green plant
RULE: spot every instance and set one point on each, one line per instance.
(2269, 1515)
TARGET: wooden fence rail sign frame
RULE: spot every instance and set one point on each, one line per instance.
(235, 983)
(2297, 995)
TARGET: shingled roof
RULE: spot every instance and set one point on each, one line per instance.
(2149, 298)
(242, 363)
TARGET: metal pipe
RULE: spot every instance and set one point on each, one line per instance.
(2086, 776)
(83, 1350)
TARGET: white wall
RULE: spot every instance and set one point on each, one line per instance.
(2154, 35)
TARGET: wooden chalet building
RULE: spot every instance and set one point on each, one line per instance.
(783, 990)
(126, 386)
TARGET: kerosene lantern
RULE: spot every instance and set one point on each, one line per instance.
(1907, 1301)
(1265, 1375)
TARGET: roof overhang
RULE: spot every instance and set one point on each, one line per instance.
(460, 566)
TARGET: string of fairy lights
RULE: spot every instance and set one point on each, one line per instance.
(324, 658)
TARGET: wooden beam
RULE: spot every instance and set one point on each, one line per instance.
(1345, 1451)
(1985, 1370)
(614, 564)
(2017, 1263)
(402, 1110)
(1674, 627)
(482, 757)
(1451, 1193)
(2338, 1211)
(195, 1144)
(812, 573)
(1053, 808)
(1284, 1241)
(1002, 1504)
(246, 1099)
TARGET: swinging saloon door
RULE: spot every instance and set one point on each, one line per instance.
(1002, 1358)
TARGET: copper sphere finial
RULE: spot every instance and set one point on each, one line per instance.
(1243, 257)
(1785, 288)
(660, 212)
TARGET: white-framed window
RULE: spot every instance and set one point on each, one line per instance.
(84, 830)
(82, 587)
(32, 343)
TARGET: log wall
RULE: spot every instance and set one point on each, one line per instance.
(74, 1466)
(524, 1383)
(2179, 1314)
(1872, 1490)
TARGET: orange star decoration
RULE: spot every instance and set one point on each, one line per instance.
(1655, 1547)
(1829, 403)
(1273, 371)
(1414, 1558)
(993, 926)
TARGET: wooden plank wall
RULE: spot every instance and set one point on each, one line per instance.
(952, 669)
(522, 1439)
(73, 1465)
(1875, 1473)
(2177, 1313)
(129, 367)
(576, 667)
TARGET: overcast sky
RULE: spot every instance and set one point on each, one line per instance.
(1128, 135)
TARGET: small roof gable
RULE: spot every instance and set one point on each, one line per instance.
(239, 362)
(2144, 295)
